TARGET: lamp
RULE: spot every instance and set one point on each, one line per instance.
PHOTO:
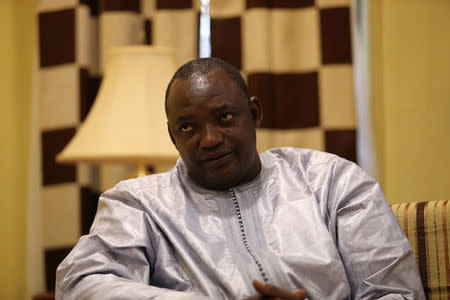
(127, 122)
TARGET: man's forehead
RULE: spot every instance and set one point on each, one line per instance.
(213, 91)
(203, 80)
(200, 81)
(208, 84)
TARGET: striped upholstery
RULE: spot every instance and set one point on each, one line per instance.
(426, 224)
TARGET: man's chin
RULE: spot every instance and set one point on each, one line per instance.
(224, 178)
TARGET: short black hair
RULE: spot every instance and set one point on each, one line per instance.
(202, 66)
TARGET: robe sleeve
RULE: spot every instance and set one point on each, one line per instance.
(114, 260)
(377, 256)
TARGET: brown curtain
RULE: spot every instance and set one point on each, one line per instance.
(297, 58)
(74, 40)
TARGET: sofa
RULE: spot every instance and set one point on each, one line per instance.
(427, 226)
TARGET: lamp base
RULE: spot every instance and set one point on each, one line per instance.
(142, 170)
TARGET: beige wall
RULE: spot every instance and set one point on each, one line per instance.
(411, 97)
(16, 48)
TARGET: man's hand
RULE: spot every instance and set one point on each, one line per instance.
(269, 291)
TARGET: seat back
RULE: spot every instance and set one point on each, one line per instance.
(427, 226)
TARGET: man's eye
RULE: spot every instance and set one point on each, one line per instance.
(185, 128)
(226, 116)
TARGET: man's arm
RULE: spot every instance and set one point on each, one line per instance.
(114, 260)
(377, 256)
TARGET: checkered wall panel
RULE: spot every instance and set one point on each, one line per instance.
(297, 58)
(67, 37)
(75, 37)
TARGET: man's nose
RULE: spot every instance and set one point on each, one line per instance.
(210, 137)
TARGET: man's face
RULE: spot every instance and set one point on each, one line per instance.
(212, 125)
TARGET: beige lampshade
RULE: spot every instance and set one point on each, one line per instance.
(127, 122)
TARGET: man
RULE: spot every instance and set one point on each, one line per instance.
(227, 223)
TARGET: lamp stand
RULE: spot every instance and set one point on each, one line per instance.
(142, 170)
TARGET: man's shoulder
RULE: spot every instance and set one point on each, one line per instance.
(159, 181)
(310, 162)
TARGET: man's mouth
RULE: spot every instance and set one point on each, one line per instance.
(215, 156)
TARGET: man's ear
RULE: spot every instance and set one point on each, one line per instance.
(171, 136)
(256, 110)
